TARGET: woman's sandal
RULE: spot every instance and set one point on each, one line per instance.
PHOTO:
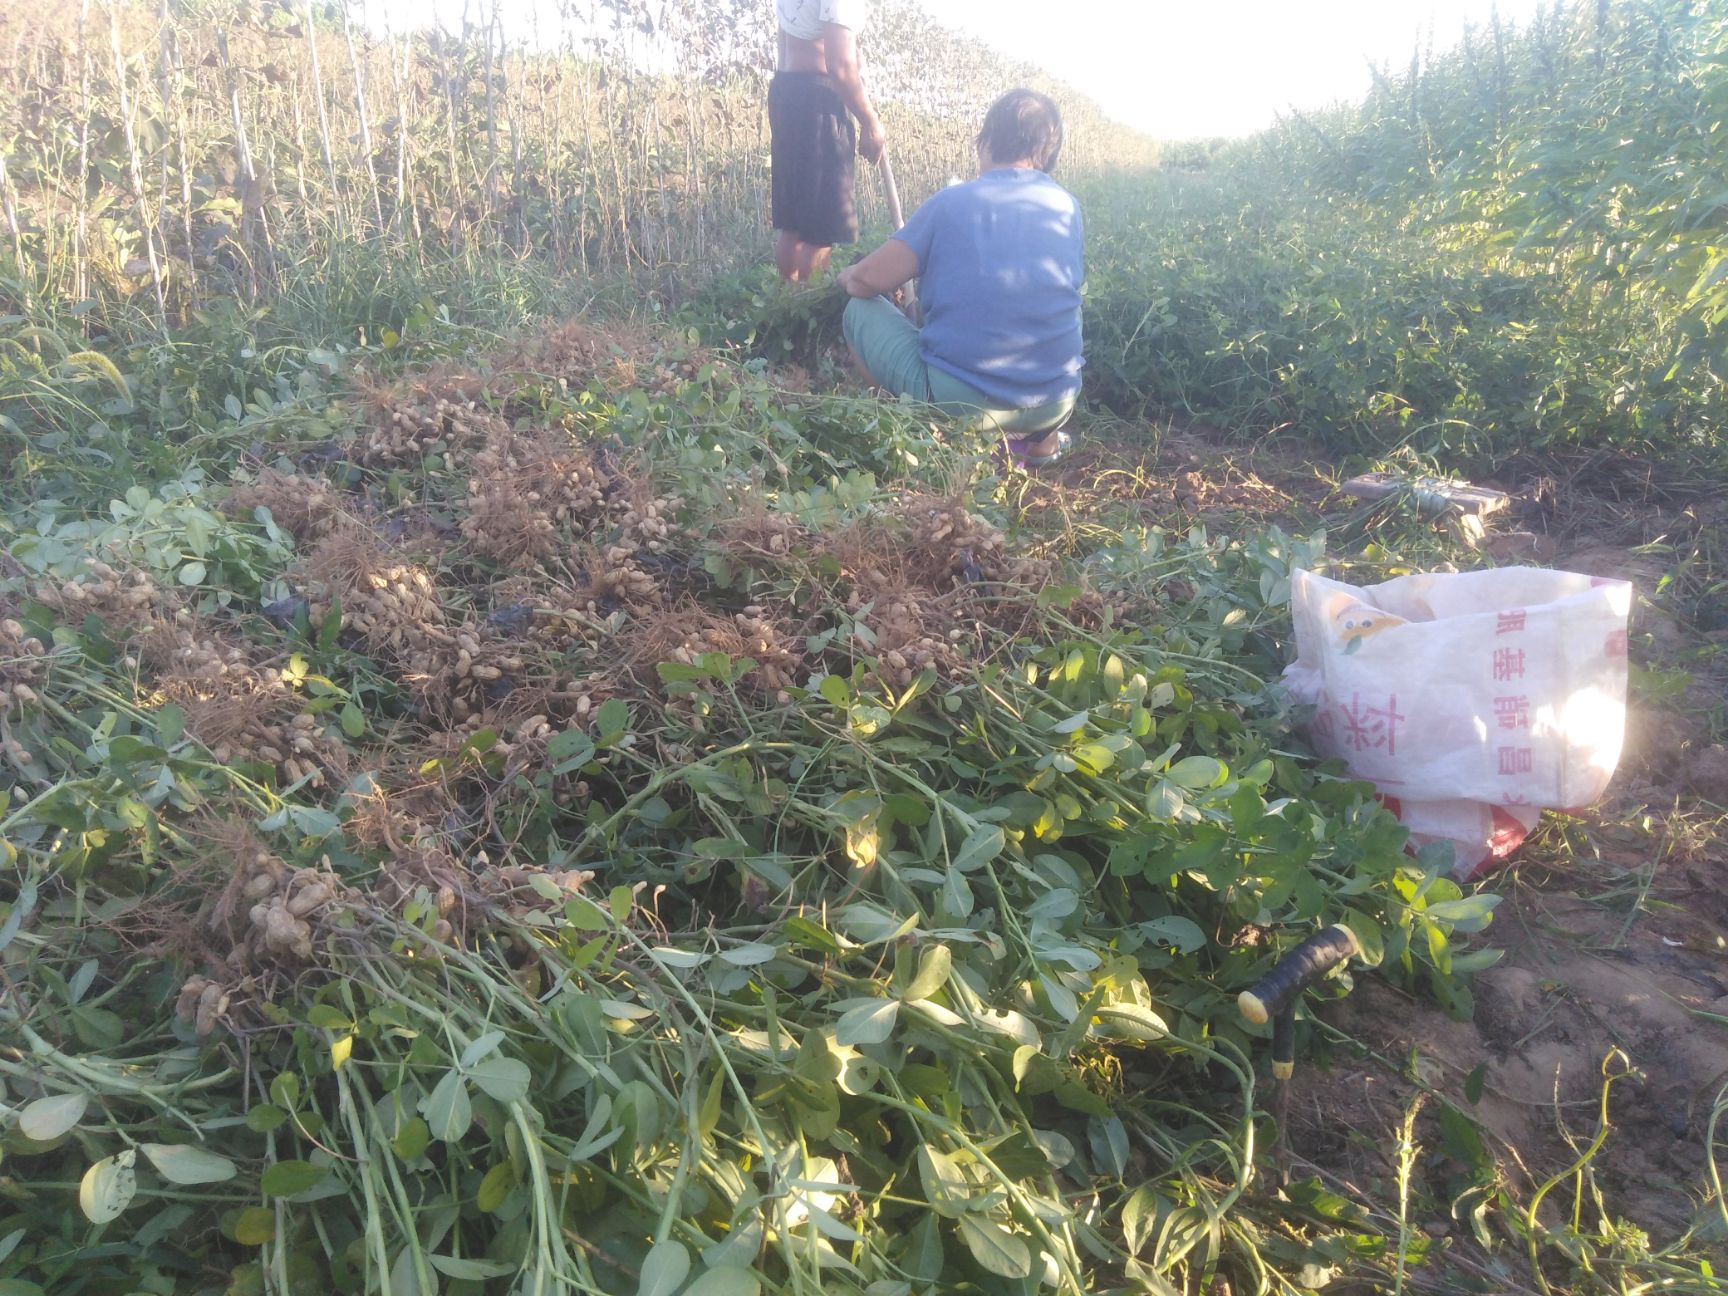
(1027, 462)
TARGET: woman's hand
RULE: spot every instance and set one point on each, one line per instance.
(870, 139)
(849, 280)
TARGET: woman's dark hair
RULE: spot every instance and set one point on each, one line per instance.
(1023, 125)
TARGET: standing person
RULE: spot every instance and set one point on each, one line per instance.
(1000, 261)
(815, 94)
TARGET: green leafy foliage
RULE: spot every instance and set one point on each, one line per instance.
(1511, 247)
(850, 977)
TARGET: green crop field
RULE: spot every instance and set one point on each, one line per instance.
(518, 776)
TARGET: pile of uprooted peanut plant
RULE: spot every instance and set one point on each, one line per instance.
(596, 822)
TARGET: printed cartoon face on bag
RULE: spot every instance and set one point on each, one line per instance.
(1353, 621)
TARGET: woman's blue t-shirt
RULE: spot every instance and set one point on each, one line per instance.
(1000, 264)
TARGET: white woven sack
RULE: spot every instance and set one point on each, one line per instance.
(1471, 700)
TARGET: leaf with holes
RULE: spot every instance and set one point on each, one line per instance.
(108, 1187)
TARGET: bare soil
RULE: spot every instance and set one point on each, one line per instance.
(1579, 993)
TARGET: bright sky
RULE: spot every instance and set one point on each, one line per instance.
(1175, 69)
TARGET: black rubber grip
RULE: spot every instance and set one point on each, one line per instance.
(1295, 972)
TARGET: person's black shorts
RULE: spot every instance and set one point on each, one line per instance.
(814, 143)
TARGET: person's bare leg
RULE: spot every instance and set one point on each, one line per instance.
(786, 248)
(808, 260)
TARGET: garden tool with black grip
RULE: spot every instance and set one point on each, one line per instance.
(1273, 998)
